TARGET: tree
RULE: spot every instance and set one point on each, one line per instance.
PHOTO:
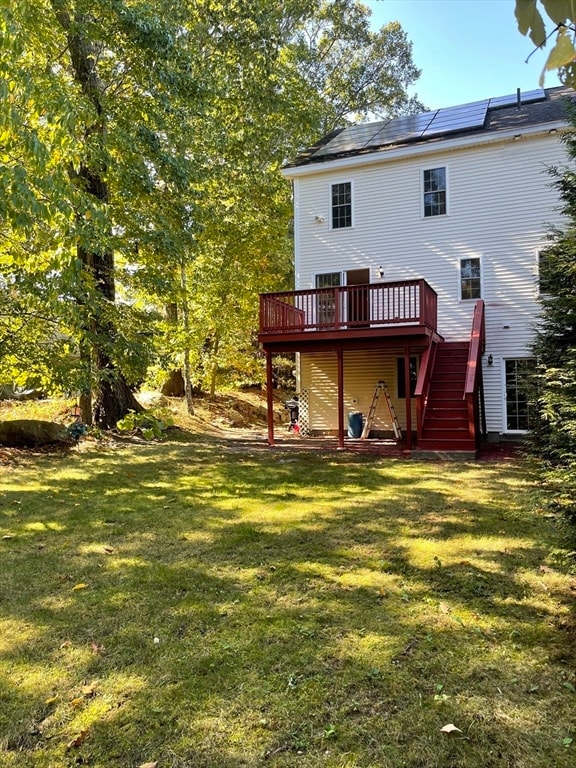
(140, 140)
(562, 18)
(331, 70)
(554, 433)
(350, 72)
(105, 136)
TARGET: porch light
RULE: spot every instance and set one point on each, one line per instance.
(490, 360)
(380, 272)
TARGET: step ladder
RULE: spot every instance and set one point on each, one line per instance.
(381, 388)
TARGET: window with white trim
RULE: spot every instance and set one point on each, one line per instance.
(518, 408)
(341, 201)
(434, 187)
(470, 279)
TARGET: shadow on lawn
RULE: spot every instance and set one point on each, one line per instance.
(286, 630)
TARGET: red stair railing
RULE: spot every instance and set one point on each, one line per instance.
(473, 388)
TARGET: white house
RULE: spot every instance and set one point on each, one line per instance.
(416, 257)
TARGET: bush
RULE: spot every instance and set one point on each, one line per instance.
(150, 424)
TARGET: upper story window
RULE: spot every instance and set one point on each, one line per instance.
(470, 279)
(434, 192)
(342, 205)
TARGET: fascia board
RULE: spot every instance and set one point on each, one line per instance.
(421, 150)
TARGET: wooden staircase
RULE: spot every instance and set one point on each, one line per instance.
(446, 424)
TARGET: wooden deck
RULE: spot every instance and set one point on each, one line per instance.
(356, 313)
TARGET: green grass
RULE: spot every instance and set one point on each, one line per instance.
(198, 606)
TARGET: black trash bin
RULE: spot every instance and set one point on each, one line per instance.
(355, 424)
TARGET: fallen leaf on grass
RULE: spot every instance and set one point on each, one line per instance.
(90, 690)
(51, 700)
(450, 728)
(97, 647)
(79, 586)
(79, 739)
(150, 765)
(108, 550)
(8, 536)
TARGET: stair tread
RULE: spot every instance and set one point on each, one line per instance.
(446, 422)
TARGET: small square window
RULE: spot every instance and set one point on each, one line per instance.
(470, 279)
(342, 205)
(435, 192)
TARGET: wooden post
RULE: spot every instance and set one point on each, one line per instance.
(407, 386)
(340, 398)
(269, 398)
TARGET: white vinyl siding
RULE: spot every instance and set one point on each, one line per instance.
(362, 371)
(501, 205)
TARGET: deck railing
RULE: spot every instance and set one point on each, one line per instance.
(408, 302)
(473, 389)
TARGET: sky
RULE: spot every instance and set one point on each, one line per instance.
(468, 50)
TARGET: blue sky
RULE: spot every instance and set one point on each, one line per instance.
(467, 49)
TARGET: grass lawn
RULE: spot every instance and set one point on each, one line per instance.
(191, 605)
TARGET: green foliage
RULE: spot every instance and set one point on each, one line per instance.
(562, 15)
(139, 140)
(150, 424)
(554, 433)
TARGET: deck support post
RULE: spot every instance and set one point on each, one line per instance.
(340, 355)
(269, 397)
(407, 387)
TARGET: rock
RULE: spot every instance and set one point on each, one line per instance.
(174, 385)
(235, 418)
(10, 392)
(27, 433)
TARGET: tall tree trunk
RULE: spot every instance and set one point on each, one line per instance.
(112, 397)
(85, 401)
(186, 322)
(174, 386)
(214, 366)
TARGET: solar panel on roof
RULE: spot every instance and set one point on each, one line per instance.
(462, 118)
(504, 101)
(402, 129)
(531, 96)
(512, 99)
(352, 138)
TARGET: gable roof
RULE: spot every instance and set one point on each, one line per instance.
(479, 118)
